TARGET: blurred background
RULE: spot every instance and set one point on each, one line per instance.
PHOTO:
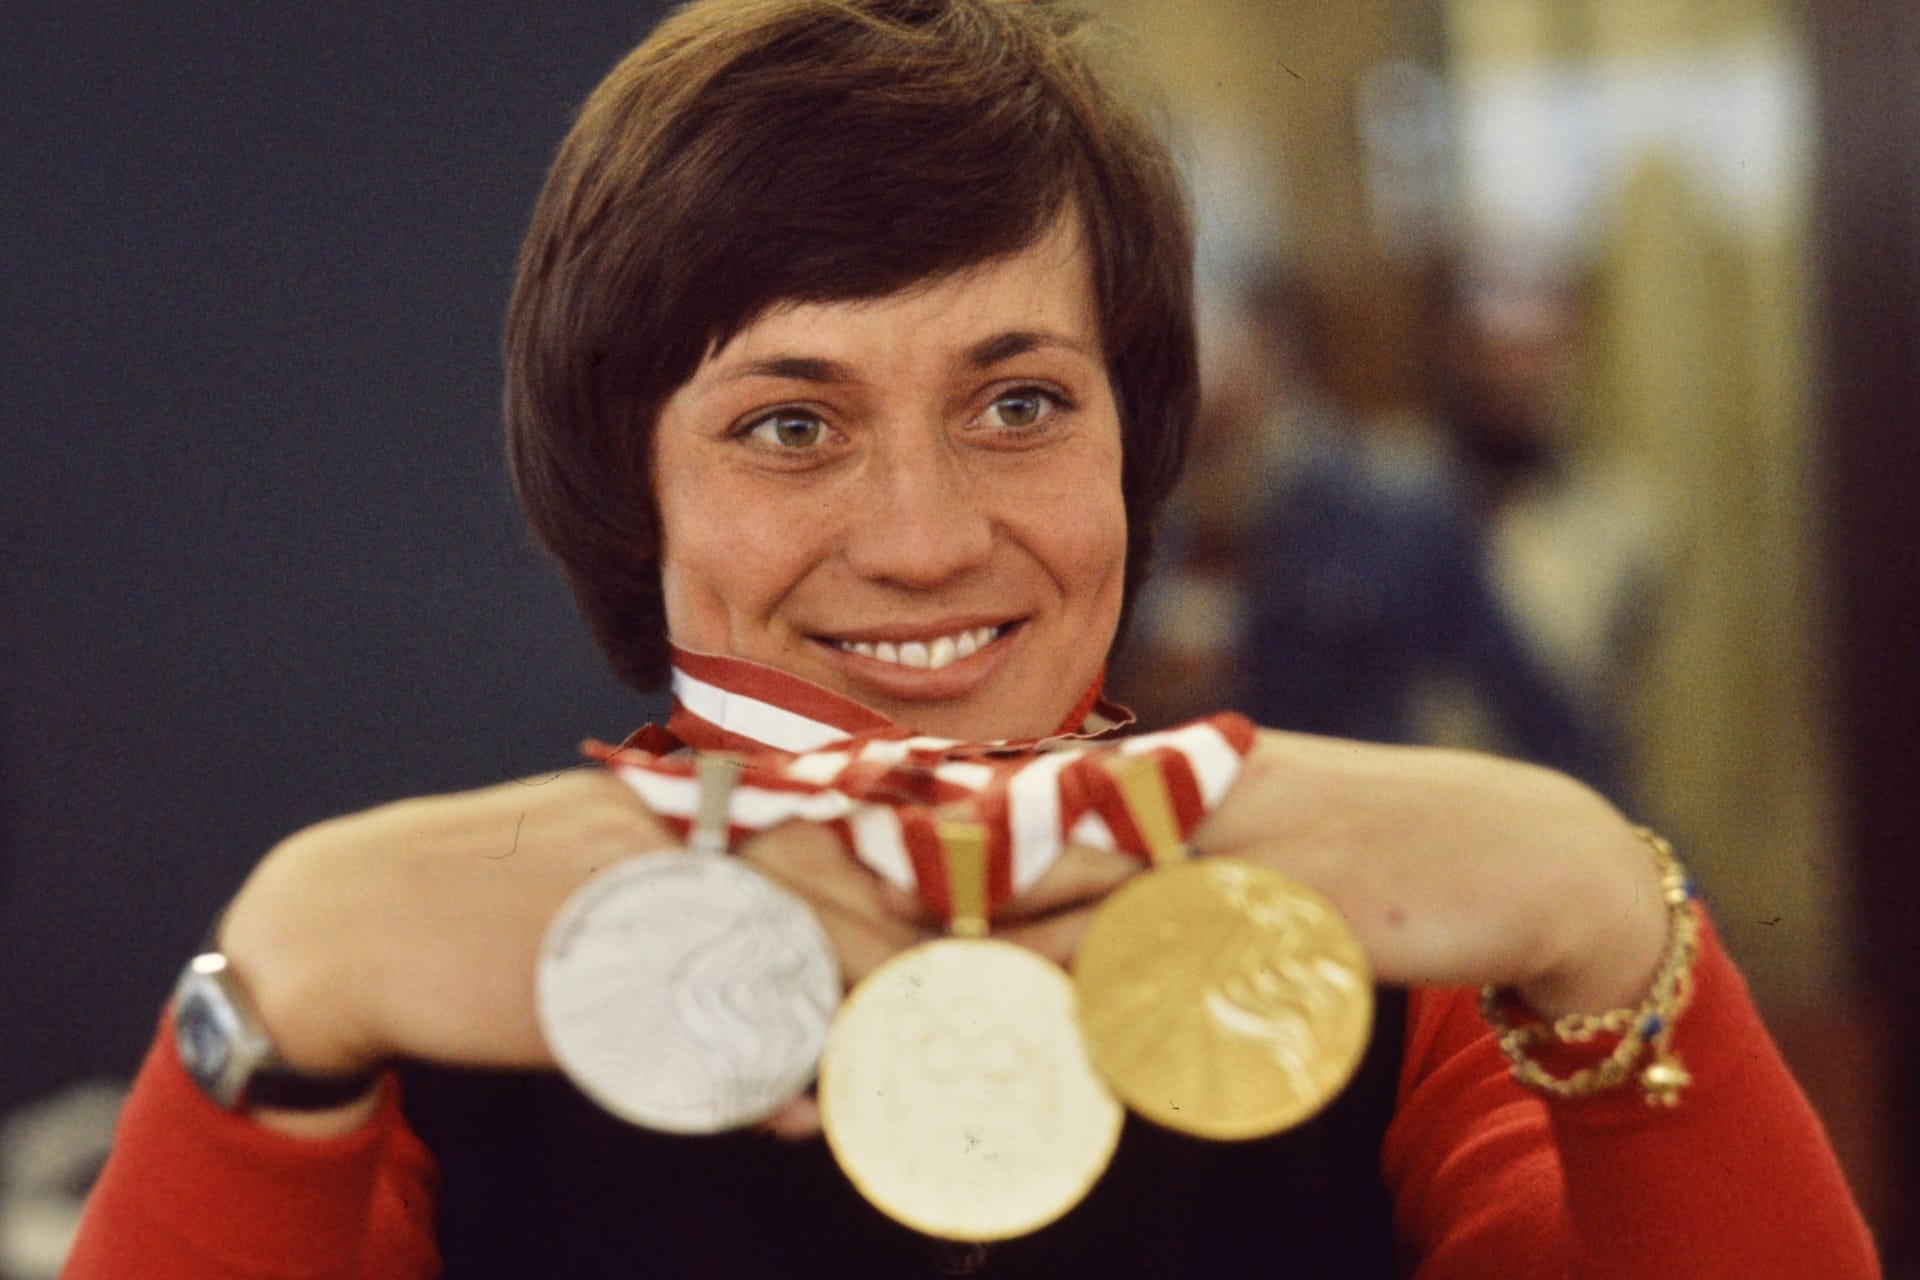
(1560, 382)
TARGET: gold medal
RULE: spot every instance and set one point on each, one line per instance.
(1218, 997)
(955, 1090)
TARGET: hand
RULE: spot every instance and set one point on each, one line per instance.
(1454, 867)
(413, 930)
(1051, 916)
(867, 920)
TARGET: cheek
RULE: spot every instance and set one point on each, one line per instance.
(723, 561)
(1079, 532)
(736, 553)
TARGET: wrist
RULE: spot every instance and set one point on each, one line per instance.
(1577, 1055)
(1615, 927)
(288, 938)
(228, 1054)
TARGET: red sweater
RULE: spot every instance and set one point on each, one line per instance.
(1487, 1178)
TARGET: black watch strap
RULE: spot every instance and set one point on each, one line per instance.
(290, 1090)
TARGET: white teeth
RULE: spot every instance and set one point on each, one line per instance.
(928, 655)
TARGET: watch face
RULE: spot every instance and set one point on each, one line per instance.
(216, 1046)
(205, 1045)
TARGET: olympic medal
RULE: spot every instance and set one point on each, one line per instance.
(686, 992)
(956, 1093)
(1222, 999)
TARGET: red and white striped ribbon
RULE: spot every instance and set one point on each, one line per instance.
(810, 754)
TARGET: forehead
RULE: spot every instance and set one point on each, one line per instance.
(1046, 287)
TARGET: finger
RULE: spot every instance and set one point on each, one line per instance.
(1057, 936)
(798, 1121)
(908, 906)
(850, 902)
(1082, 874)
(809, 859)
(863, 944)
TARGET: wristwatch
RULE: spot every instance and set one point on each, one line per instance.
(226, 1050)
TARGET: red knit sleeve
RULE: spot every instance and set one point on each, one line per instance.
(192, 1192)
(1489, 1178)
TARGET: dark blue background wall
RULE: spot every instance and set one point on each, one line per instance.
(259, 561)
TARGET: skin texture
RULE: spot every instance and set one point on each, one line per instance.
(936, 461)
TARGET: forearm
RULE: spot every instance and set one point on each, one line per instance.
(413, 930)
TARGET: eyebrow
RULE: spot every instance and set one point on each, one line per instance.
(1005, 346)
(794, 368)
(981, 355)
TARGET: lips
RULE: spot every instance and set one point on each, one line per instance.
(930, 654)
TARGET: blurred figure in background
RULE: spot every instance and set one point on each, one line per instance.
(1329, 576)
(1580, 543)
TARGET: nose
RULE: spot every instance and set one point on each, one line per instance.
(922, 518)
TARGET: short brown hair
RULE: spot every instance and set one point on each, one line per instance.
(754, 152)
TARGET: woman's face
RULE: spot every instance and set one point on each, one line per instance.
(913, 500)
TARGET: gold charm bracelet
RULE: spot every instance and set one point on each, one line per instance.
(1646, 1030)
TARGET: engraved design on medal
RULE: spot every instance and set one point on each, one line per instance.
(1222, 999)
(957, 1096)
(685, 992)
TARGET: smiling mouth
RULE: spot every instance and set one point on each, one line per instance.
(925, 655)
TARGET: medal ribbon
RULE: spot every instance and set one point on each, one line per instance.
(807, 753)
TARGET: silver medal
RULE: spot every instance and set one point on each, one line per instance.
(685, 992)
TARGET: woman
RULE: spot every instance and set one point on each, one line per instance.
(850, 360)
